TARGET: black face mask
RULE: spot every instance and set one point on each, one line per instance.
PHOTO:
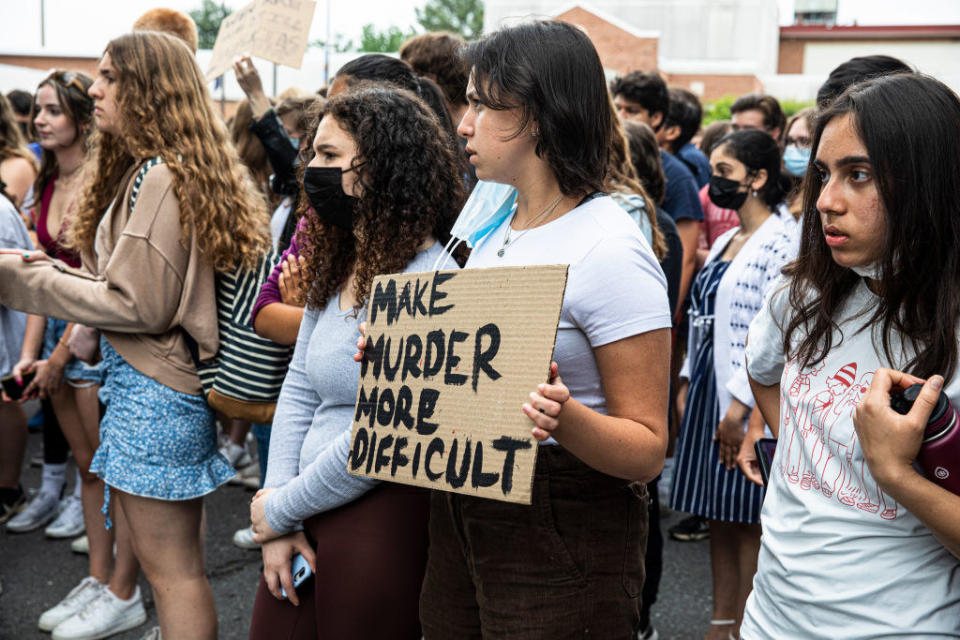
(324, 189)
(726, 193)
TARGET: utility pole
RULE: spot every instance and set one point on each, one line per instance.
(326, 50)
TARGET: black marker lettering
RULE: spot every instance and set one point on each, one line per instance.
(435, 349)
(449, 377)
(425, 409)
(435, 447)
(437, 295)
(454, 479)
(384, 300)
(510, 446)
(482, 358)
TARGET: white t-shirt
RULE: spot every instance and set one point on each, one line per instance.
(278, 220)
(838, 557)
(615, 287)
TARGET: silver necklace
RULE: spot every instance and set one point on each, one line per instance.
(506, 239)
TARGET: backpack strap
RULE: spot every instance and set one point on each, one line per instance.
(149, 164)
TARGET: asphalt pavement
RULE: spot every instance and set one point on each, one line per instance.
(36, 572)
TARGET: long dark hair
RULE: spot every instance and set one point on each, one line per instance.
(758, 150)
(379, 67)
(410, 183)
(71, 88)
(910, 126)
(551, 72)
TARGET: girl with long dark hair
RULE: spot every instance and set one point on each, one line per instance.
(855, 544)
(540, 119)
(742, 266)
(383, 185)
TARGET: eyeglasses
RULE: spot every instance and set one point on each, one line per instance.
(65, 79)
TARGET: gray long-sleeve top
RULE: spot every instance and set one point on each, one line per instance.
(310, 441)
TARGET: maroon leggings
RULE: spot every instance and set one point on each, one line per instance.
(371, 557)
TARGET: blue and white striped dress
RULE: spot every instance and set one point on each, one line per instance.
(701, 484)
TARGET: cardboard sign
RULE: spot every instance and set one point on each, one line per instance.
(451, 356)
(275, 30)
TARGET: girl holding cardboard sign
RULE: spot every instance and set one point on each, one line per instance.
(384, 183)
(540, 119)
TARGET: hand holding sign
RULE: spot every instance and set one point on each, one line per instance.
(546, 404)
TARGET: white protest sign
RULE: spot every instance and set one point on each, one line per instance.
(275, 30)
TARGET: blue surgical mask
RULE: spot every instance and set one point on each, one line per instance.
(795, 160)
(489, 204)
(487, 207)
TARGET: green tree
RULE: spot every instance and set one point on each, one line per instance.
(339, 44)
(386, 41)
(208, 18)
(458, 16)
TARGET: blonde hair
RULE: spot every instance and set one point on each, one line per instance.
(164, 110)
(172, 22)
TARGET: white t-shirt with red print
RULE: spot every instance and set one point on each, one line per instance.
(839, 558)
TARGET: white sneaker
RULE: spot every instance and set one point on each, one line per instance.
(104, 616)
(78, 598)
(243, 538)
(41, 510)
(80, 545)
(153, 634)
(69, 524)
(252, 470)
(236, 455)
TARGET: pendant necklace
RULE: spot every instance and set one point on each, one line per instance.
(506, 239)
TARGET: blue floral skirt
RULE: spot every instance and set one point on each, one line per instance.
(155, 442)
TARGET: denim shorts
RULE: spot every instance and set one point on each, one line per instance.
(77, 373)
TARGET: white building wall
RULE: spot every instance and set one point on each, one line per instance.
(729, 36)
(936, 57)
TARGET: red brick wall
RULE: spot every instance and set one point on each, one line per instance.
(717, 86)
(791, 56)
(86, 65)
(619, 50)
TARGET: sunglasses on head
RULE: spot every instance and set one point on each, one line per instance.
(65, 79)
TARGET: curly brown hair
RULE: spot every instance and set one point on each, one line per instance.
(411, 189)
(165, 111)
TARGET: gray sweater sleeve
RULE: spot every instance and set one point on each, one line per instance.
(323, 484)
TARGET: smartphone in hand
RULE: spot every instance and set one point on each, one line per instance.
(13, 390)
(301, 571)
(765, 448)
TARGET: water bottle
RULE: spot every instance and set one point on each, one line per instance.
(939, 456)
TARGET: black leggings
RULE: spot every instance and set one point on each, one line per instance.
(371, 555)
(55, 446)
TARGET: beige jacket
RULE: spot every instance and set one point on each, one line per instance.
(143, 290)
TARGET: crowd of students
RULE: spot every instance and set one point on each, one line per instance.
(763, 276)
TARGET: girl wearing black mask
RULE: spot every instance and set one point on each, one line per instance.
(383, 183)
(727, 293)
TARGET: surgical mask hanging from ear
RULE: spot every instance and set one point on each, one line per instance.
(487, 207)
